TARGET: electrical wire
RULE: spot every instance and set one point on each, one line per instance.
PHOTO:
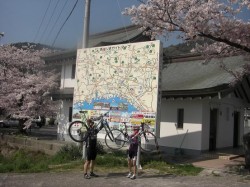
(56, 20)
(125, 28)
(49, 21)
(42, 21)
(64, 23)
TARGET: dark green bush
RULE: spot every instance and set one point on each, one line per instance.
(114, 159)
(100, 148)
(67, 153)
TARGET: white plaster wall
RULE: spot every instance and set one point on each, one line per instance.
(246, 126)
(63, 118)
(190, 135)
(225, 130)
(225, 126)
(66, 80)
(246, 121)
(205, 124)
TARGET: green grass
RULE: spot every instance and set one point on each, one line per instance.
(176, 169)
(24, 161)
(69, 158)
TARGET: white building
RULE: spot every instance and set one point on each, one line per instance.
(200, 110)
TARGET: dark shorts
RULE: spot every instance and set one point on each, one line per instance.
(91, 154)
(132, 154)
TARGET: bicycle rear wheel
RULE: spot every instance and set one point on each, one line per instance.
(149, 142)
(118, 140)
(78, 131)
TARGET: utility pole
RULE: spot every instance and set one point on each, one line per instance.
(86, 24)
(85, 41)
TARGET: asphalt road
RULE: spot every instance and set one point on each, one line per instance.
(45, 132)
(207, 178)
(76, 179)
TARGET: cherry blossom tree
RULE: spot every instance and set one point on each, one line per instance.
(25, 83)
(214, 21)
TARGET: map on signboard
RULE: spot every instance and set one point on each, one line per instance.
(122, 79)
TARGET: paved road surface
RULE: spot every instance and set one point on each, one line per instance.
(215, 175)
(44, 133)
(75, 179)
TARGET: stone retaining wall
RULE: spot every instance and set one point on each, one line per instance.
(49, 147)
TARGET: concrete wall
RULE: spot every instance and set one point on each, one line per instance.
(194, 137)
(190, 136)
(49, 147)
(66, 79)
(246, 121)
(63, 119)
(225, 128)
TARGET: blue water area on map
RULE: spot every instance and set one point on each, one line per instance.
(113, 101)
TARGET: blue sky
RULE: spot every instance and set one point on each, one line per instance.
(20, 20)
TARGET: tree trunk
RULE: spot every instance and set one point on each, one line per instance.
(21, 125)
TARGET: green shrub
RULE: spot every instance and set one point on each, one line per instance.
(25, 161)
(100, 148)
(112, 160)
(70, 157)
(67, 153)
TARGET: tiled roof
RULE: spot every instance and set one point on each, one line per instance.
(194, 75)
(127, 34)
(121, 35)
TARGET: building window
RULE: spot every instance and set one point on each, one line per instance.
(70, 114)
(180, 118)
(73, 72)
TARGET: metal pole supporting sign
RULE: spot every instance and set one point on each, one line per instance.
(138, 159)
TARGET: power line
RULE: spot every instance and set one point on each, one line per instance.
(56, 20)
(64, 23)
(125, 28)
(42, 21)
(49, 21)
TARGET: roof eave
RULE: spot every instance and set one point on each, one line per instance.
(218, 91)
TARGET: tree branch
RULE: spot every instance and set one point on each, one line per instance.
(226, 41)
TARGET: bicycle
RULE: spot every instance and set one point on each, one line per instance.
(78, 130)
(148, 141)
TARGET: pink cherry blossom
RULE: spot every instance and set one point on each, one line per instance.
(216, 23)
(197, 20)
(23, 80)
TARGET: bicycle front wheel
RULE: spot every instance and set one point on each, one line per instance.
(78, 131)
(118, 140)
(149, 142)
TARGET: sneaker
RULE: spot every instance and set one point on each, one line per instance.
(92, 174)
(129, 175)
(86, 176)
(133, 177)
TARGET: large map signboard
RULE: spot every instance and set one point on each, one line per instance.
(122, 79)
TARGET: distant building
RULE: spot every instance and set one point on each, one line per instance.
(200, 110)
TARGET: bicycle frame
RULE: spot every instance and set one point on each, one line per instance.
(82, 128)
(147, 140)
(125, 132)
